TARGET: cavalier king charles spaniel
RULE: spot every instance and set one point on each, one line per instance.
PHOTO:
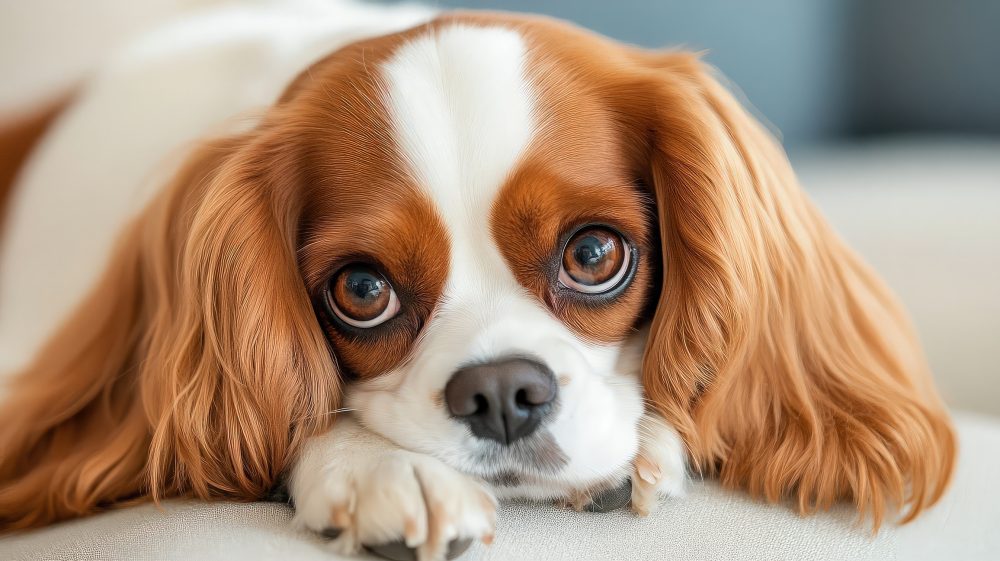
(457, 257)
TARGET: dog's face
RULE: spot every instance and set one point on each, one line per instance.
(483, 278)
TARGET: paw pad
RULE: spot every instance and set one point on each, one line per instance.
(612, 499)
(331, 533)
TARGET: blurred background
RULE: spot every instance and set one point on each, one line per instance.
(889, 109)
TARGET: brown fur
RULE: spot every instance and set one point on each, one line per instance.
(196, 367)
(786, 364)
(192, 369)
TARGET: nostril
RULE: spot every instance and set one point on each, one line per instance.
(482, 404)
(527, 400)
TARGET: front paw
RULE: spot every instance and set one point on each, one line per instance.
(659, 469)
(396, 503)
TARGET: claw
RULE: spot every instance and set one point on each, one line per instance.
(340, 517)
(412, 534)
(647, 471)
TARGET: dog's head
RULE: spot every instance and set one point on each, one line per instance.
(500, 241)
(484, 275)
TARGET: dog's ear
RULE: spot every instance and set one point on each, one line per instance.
(785, 363)
(195, 367)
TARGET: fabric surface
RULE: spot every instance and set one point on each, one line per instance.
(708, 524)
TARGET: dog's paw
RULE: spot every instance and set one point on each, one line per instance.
(396, 503)
(659, 469)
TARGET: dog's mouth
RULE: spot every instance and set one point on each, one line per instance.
(533, 468)
(538, 454)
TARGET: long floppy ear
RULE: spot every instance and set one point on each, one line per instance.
(195, 367)
(785, 363)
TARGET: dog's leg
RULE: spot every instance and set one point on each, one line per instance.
(659, 469)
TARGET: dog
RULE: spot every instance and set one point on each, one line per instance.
(408, 263)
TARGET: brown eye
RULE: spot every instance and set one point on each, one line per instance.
(361, 297)
(595, 260)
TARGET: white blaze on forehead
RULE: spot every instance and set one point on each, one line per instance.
(462, 113)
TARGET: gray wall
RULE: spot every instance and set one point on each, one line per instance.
(927, 65)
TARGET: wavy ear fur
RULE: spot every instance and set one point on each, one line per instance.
(786, 364)
(193, 368)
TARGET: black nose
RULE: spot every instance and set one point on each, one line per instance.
(503, 400)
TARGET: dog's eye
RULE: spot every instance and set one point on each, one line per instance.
(361, 297)
(595, 260)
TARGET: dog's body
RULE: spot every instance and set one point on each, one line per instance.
(543, 263)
